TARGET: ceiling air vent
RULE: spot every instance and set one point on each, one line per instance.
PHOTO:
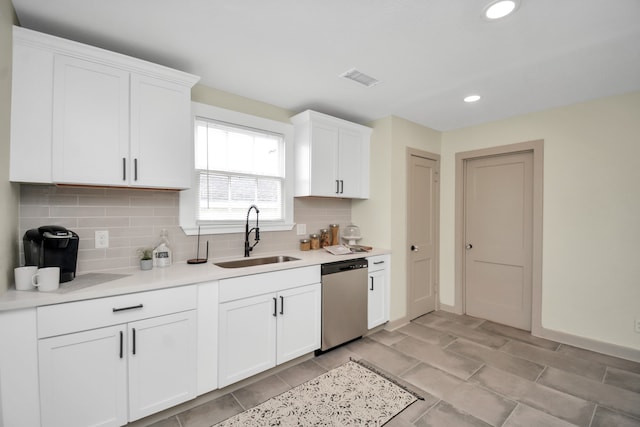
(359, 77)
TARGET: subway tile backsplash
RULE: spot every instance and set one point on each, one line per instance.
(134, 218)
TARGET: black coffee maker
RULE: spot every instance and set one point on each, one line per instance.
(52, 246)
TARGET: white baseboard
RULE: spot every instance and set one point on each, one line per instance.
(589, 344)
(561, 337)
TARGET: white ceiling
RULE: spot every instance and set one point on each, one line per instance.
(428, 54)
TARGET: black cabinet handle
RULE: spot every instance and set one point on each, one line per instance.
(337, 186)
(133, 307)
(124, 169)
(275, 307)
(341, 186)
(121, 344)
(378, 262)
(135, 169)
(281, 304)
(134, 340)
(371, 284)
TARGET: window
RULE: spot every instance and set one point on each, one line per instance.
(240, 160)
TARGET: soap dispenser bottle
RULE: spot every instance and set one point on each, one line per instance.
(162, 252)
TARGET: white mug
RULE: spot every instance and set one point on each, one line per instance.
(23, 276)
(47, 279)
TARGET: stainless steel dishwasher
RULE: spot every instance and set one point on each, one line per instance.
(344, 301)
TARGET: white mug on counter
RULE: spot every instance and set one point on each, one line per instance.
(47, 279)
(23, 277)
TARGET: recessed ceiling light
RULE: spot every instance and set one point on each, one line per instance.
(500, 8)
(471, 98)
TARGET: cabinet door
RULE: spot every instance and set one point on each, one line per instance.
(31, 114)
(299, 322)
(377, 301)
(161, 135)
(247, 338)
(83, 378)
(90, 123)
(350, 169)
(162, 363)
(324, 160)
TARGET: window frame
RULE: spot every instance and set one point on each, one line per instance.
(189, 198)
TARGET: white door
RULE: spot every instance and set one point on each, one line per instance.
(247, 337)
(324, 160)
(498, 238)
(161, 150)
(299, 322)
(162, 363)
(349, 160)
(83, 378)
(422, 235)
(90, 123)
(376, 300)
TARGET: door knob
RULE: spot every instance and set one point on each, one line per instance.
(469, 246)
(415, 248)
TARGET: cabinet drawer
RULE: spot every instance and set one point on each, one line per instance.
(264, 283)
(96, 313)
(378, 262)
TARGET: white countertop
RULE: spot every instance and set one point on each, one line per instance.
(178, 274)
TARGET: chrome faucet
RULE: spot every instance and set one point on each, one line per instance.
(247, 247)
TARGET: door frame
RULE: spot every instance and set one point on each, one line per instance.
(435, 157)
(537, 149)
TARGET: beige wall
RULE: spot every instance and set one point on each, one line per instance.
(383, 218)
(591, 220)
(8, 191)
(219, 98)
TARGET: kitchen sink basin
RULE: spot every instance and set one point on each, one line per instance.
(250, 262)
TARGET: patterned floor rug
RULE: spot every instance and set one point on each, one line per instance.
(350, 395)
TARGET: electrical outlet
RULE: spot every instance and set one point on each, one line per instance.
(102, 239)
(301, 229)
(638, 325)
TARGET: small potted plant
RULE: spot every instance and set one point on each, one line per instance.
(146, 258)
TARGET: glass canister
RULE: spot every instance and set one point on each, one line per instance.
(335, 234)
(325, 238)
(305, 244)
(315, 241)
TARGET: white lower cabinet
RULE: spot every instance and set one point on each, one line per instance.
(83, 379)
(111, 375)
(378, 294)
(259, 332)
(162, 363)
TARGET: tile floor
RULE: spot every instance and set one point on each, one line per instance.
(471, 372)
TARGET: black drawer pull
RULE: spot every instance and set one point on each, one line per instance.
(133, 307)
(378, 262)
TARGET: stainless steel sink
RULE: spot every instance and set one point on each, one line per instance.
(250, 262)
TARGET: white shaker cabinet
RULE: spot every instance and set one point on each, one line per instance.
(378, 293)
(113, 360)
(161, 129)
(83, 378)
(83, 115)
(162, 363)
(90, 123)
(332, 156)
(267, 319)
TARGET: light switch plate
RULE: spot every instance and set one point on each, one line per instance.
(301, 229)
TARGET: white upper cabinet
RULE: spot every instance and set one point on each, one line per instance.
(90, 122)
(332, 156)
(83, 115)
